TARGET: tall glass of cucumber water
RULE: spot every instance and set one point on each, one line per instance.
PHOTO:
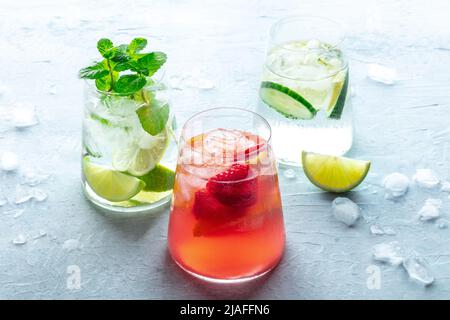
(128, 152)
(304, 89)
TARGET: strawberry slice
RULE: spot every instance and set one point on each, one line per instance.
(233, 187)
(207, 207)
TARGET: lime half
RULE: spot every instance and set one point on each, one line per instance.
(334, 174)
(110, 184)
(143, 155)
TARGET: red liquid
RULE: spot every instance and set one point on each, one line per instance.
(230, 230)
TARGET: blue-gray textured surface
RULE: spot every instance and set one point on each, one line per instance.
(400, 128)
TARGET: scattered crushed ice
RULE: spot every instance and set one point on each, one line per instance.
(442, 223)
(289, 173)
(345, 210)
(33, 178)
(379, 230)
(25, 194)
(19, 240)
(205, 84)
(445, 186)
(17, 212)
(418, 270)
(71, 245)
(382, 74)
(24, 117)
(426, 178)
(193, 80)
(430, 210)
(388, 252)
(395, 185)
(9, 161)
(41, 234)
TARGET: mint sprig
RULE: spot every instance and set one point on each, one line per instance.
(123, 58)
(126, 70)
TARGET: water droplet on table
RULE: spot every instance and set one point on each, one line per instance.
(71, 245)
(419, 270)
(345, 210)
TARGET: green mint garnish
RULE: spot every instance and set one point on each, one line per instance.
(137, 68)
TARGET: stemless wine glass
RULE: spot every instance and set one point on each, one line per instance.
(226, 221)
(125, 169)
(304, 88)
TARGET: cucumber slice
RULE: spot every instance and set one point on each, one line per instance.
(337, 102)
(286, 101)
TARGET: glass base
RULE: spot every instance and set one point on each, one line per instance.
(225, 281)
(131, 211)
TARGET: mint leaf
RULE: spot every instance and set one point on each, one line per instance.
(136, 45)
(130, 83)
(104, 84)
(153, 118)
(120, 54)
(96, 71)
(104, 46)
(151, 62)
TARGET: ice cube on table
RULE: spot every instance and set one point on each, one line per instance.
(24, 117)
(379, 230)
(345, 210)
(205, 84)
(418, 270)
(9, 161)
(445, 186)
(425, 178)
(395, 185)
(19, 240)
(33, 178)
(24, 194)
(388, 252)
(382, 74)
(289, 173)
(430, 210)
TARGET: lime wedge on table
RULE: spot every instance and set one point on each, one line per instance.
(141, 157)
(338, 96)
(286, 101)
(334, 174)
(110, 184)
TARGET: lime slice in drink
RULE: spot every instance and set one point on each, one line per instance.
(160, 179)
(286, 101)
(334, 174)
(141, 157)
(110, 184)
(338, 96)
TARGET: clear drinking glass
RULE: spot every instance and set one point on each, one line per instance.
(126, 169)
(226, 221)
(304, 89)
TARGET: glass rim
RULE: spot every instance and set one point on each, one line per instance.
(333, 46)
(90, 83)
(305, 17)
(200, 113)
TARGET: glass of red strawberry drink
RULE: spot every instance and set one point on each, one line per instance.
(226, 221)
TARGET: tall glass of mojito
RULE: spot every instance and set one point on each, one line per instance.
(304, 89)
(128, 152)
